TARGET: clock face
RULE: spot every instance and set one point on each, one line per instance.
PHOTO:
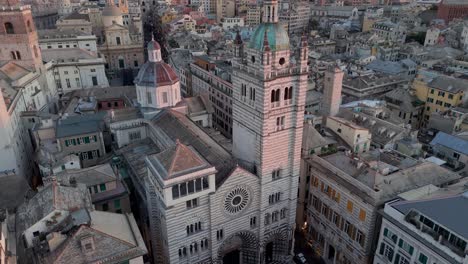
(236, 200)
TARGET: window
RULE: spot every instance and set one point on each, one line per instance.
(135, 135)
(274, 198)
(175, 192)
(18, 55)
(422, 258)
(192, 203)
(362, 215)
(252, 94)
(400, 259)
(9, 29)
(253, 221)
(456, 155)
(164, 97)
(350, 206)
(360, 238)
(243, 90)
(117, 204)
(279, 123)
(117, 40)
(387, 251)
(283, 213)
(13, 55)
(105, 207)
(430, 100)
(276, 174)
(135, 63)
(450, 96)
(267, 219)
(77, 80)
(388, 233)
(405, 246)
(274, 216)
(102, 187)
(121, 63)
(275, 95)
(288, 93)
(219, 234)
(441, 94)
(149, 98)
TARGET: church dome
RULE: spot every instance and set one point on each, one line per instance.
(156, 74)
(278, 38)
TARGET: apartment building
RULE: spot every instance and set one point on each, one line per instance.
(345, 193)
(65, 39)
(439, 92)
(429, 229)
(214, 78)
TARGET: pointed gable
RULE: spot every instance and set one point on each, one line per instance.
(177, 160)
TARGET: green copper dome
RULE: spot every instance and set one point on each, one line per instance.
(278, 38)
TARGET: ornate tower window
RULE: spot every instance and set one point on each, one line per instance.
(9, 29)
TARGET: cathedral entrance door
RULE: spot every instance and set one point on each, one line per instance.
(232, 257)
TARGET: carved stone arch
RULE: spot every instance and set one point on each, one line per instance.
(245, 242)
(275, 245)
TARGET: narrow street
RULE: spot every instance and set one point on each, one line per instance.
(302, 247)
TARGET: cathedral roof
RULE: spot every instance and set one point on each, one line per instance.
(156, 74)
(178, 160)
(277, 37)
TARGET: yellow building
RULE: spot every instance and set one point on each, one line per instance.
(440, 93)
(168, 16)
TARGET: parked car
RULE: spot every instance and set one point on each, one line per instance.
(300, 259)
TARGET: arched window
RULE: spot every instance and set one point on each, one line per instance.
(13, 55)
(275, 95)
(288, 93)
(28, 24)
(9, 29)
(18, 55)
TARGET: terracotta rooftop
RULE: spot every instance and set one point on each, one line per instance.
(177, 160)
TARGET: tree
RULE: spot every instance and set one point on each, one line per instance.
(153, 27)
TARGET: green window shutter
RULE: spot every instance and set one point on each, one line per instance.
(400, 243)
(63, 167)
(74, 141)
(411, 250)
(95, 138)
(385, 232)
(117, 204)
(397, 259)
(102, 187)
(66, 142)
(86, 140)
(422, 258)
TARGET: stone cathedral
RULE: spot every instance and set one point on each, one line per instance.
(202, 202)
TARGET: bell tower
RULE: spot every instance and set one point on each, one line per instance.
(19, 40)
(268, 113)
